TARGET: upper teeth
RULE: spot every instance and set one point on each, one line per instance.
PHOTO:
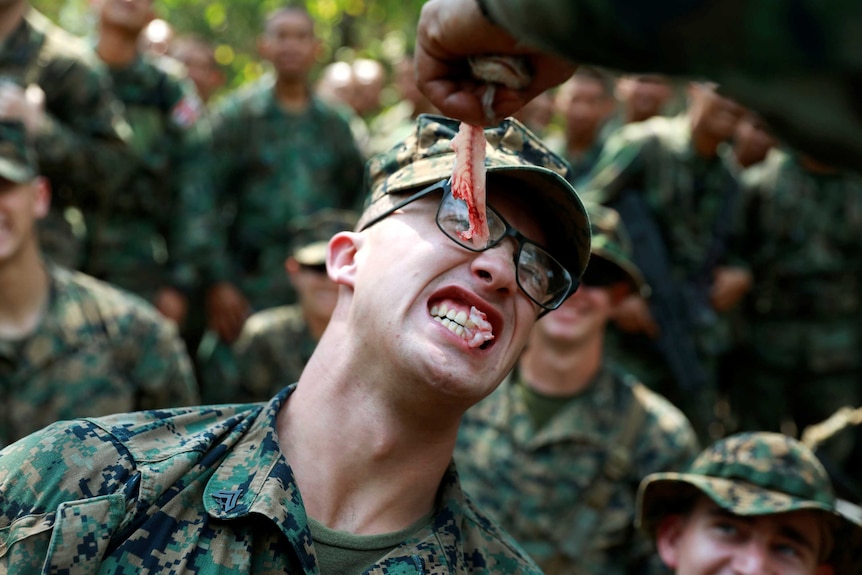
(453, 319)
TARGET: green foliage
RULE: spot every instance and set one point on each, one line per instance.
(381, 29)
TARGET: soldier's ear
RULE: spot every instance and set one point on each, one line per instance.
(668, 537)
(341, 257)
(43, 197)
(619, 291)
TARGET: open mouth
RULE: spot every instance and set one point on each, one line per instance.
(470, 324)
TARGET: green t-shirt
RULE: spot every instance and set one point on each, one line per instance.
(344, 553)
(542, 408)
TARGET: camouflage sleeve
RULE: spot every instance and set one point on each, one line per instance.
(84, 138)
(718, 36)
(69, 480)
(796, 63)
(619, 167)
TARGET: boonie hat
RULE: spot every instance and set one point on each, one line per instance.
(17, 160)
(513, 152)
(311, 234)
(758, 473)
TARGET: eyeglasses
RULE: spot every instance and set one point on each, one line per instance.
(541, 277)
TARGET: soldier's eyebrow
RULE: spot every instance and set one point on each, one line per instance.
(784, 530)
(795, 535)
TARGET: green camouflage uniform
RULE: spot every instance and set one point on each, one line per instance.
(267, 167)
(534, 482)
(804, 334)
(129, 233)
(582, 165)
(796, 63)
(81, 148)
(751, 474)
(97, 351)
(686, 195)
(202, 490)
(272, 351)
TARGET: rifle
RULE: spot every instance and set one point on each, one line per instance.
(670, 304)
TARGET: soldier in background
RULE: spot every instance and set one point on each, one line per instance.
(54, 84)
(678, 198)
(278, 152)
(130, 233)
(370, 78)
(585, 102)
(802, 353)
(750, 503)
(198, 55)
(337, 86)
(556, 453)
(70, 345)
(642, 96)
(275, 343)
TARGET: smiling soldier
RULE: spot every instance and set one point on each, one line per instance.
(349, 471)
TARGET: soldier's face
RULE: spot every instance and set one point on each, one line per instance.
(581, 319)
(712, 541)
(585, 105)
(21, 206)
(644, 96)
(201, 67)
(405, 276)
(289, 44)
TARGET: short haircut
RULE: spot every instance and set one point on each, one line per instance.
(599, 75)
(292, 8)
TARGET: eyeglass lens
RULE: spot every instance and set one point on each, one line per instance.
(540, 276)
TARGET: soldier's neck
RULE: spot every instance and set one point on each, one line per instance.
(578, 143)
(116, 48)
(11, 15)
(292, 96)
(25, 288)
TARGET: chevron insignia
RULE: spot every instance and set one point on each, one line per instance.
(227, 499)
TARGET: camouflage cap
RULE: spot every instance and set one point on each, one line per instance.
(17, 160)
(311, 234)
(757, 473)
(512, 152)
(611, 243)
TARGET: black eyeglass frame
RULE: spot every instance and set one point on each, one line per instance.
(446, 187)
